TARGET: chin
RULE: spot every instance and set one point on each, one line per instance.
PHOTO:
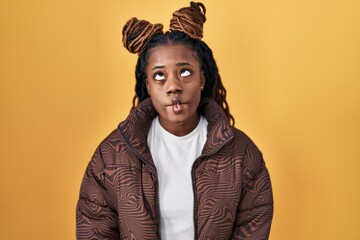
(177, 118)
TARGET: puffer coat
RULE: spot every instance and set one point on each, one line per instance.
(119, 193)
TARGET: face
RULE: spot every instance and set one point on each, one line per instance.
(174, 83)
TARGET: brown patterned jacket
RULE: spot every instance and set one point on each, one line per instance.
(119, 195)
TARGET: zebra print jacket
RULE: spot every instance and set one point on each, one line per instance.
(119, 193)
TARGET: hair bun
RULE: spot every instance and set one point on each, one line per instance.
(189, 20)
(137, 33)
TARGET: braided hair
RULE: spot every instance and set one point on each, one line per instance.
(186, 28)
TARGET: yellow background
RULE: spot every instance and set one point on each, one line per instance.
(291, 68)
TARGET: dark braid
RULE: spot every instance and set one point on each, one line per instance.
(213, 87)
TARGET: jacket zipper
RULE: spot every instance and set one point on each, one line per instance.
(194, 201)
(158, 219)
(158, 205)
(154, 172)
(193, 182)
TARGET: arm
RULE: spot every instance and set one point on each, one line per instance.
(255, 210)
(95, 214)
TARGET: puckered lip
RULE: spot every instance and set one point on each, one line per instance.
(174, 101)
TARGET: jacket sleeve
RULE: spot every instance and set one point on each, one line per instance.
(95, 214)
(255, 211)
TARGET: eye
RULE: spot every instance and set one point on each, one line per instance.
(185, 73)
(159, 76)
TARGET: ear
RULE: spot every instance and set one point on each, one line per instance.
(147, 86)
(202, 79)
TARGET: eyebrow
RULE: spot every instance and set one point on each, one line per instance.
(183, 64)
(157, 67)
(178, 64)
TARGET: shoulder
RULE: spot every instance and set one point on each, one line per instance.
(112, 140)
(252, 156)
(109, 148)
(243, 140)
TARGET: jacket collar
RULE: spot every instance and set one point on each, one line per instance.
(219, 129)
(136, 127)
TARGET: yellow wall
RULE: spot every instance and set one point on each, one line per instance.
(291, 67)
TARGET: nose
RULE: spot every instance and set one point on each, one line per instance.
(173, 85)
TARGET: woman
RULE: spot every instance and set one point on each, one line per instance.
(176, 168)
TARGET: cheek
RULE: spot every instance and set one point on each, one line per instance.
(152, 89)
(156, 100)
(196, 96)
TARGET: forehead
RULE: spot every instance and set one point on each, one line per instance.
(171, 53)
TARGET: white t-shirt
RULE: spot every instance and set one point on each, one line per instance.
(173, 157)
